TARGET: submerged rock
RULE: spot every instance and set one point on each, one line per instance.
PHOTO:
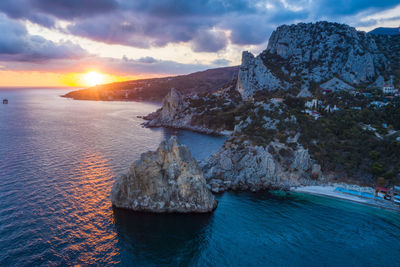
(166, 180)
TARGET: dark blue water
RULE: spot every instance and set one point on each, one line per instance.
(58, 160)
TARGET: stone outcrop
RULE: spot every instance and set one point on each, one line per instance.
(174, 113)
(166, 180)
(302, 55)
(255, 76)
(336, 85)
(195, 113)
(251, 167)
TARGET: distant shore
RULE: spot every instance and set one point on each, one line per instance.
(329, 191)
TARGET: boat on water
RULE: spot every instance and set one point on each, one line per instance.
(5, 101)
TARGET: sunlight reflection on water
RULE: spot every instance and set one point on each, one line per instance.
(58, 161)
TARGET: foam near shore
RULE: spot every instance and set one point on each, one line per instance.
(329, 191)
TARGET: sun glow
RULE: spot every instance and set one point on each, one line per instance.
(93, 78)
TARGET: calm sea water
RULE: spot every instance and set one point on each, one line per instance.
(58, 160)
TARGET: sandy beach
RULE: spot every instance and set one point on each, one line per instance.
(329, 191)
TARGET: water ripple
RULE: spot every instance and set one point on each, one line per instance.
(59, 158)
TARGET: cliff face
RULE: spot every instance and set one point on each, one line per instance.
(206, 113)
(174, 113)
(262, 153)
(254, 75)
(166, 180)
(250, 167)
(302, 55)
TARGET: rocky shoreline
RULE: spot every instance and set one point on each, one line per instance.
(263, 111)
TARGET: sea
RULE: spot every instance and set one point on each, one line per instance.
(59, 158)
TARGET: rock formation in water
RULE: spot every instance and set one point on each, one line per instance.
(166, 180)
(303, 56)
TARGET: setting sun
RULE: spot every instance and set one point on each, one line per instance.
(93, 78)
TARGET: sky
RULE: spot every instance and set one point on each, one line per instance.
(85, 42)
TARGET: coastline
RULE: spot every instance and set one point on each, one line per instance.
(329, 191)
(196, 129)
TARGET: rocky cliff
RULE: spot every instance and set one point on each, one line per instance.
(166, 180)
(262, 153)
(211, 113)
(301, 57)
(246, 166)
(274, 141)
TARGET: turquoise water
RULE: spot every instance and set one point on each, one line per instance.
(58, 160)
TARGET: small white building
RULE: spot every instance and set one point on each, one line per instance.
(388, 89)
(313, 104)
(378, 104)
(331, 109)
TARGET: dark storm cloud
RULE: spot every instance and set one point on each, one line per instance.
(16, 44)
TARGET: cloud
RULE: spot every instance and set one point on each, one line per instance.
(209, 41)
(17, 45)
(70, 9)
(351, 7)
(221, 62)
(120, 67)
(44, 12)
(205, 25)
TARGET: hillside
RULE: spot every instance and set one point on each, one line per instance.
(278, 137)
(389, 45)
(156, 89)
(385, 31)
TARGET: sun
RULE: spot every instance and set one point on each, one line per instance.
(93, 78)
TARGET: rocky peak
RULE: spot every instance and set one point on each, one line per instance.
(166, 180)
(302, 55)
(171, 104)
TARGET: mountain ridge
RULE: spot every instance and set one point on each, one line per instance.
(300, 57)
(155, 89)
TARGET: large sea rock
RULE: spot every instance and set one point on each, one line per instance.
(166, 180)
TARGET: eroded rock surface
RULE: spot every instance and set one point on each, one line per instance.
(166, 180)
(305, 55)
(251, 167)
